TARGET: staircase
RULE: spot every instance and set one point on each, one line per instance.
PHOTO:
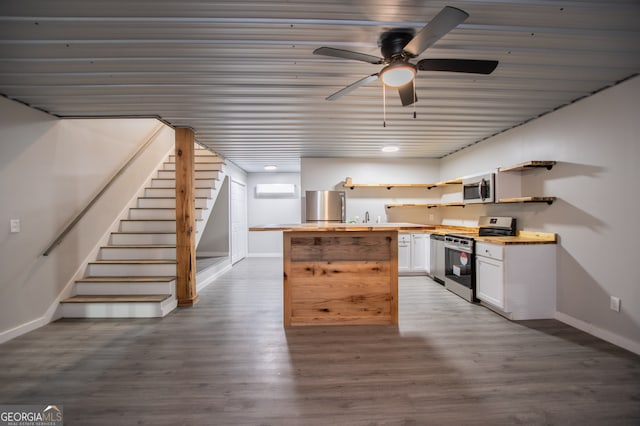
(134, 276)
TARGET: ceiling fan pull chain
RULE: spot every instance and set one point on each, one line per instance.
(414, 99)
(384, 106)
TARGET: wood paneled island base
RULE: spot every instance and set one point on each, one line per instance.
(340, 277)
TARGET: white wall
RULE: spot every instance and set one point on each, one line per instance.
(215, 235)
(262, 211)
(330, 173)
(595, 142)
(49, 170)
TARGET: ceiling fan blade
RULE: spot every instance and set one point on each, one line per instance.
(446, 20)
(407, 95)
(473, 66)
(353, 86)
(347, 54)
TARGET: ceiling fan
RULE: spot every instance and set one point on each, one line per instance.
(399, 46)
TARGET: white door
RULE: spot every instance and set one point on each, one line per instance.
(239, 232)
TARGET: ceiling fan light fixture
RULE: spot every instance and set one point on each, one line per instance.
(270, 168)
(397, 74)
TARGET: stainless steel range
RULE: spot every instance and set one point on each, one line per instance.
(459, 265)
(459, 258)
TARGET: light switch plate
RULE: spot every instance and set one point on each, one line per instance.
(614, 304)
(15, 225)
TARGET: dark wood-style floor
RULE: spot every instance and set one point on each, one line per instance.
(228, 361)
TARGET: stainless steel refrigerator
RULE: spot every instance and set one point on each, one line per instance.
(325, 206)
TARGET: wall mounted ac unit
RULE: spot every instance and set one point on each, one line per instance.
(275, 190)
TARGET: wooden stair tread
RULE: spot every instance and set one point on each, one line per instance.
(148, 220)
(159, 208)
(213, 160)
(151, 220)
(128, 298)
(125, 279)
(170, 187)
(170, 198)
(133, 262)
(142, 232)
(138, 246)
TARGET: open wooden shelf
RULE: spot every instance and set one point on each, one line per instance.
(457, 181)
(348, 183)
(528, 165)
(548, 200)
(426, 205)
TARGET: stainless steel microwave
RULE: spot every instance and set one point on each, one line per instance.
(479, 188)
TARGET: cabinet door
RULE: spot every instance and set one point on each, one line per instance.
(427, 253)
(490, 281)
(404, 255)
(419, 252)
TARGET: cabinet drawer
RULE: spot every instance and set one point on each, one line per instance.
(404, 238)
(493, 251)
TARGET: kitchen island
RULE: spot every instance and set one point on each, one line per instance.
(337, 274)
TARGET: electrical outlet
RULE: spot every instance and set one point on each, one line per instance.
(614, 303)
(15, 225)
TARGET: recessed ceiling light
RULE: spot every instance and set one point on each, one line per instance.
(270, 168)
(390, 148)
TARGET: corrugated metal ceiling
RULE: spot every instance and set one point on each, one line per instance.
(243, 75)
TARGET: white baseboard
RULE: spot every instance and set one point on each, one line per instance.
(12, 333)
(205, 279)
(277, 254)
(212, 253)
(610, 337)
(53, 313)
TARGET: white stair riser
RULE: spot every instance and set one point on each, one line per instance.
(162, 213)
(171, 192)
(130, 270)
(164, 183)
(119, 310)
(170, 203)
(206, 183)
(115, 288)
(198, 166)
(200, 158)
(148, 226)
(137, 253)
(205, 174)
(143, 238)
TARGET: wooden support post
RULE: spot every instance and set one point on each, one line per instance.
(185, 218)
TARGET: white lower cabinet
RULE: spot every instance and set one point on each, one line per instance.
(404, 253)
(517, 280)
(490, 288)
(414, 253)
(420, 252)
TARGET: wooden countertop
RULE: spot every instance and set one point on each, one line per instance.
(343, 227)
(522, 237)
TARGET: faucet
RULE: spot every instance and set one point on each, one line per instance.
(366, 217)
